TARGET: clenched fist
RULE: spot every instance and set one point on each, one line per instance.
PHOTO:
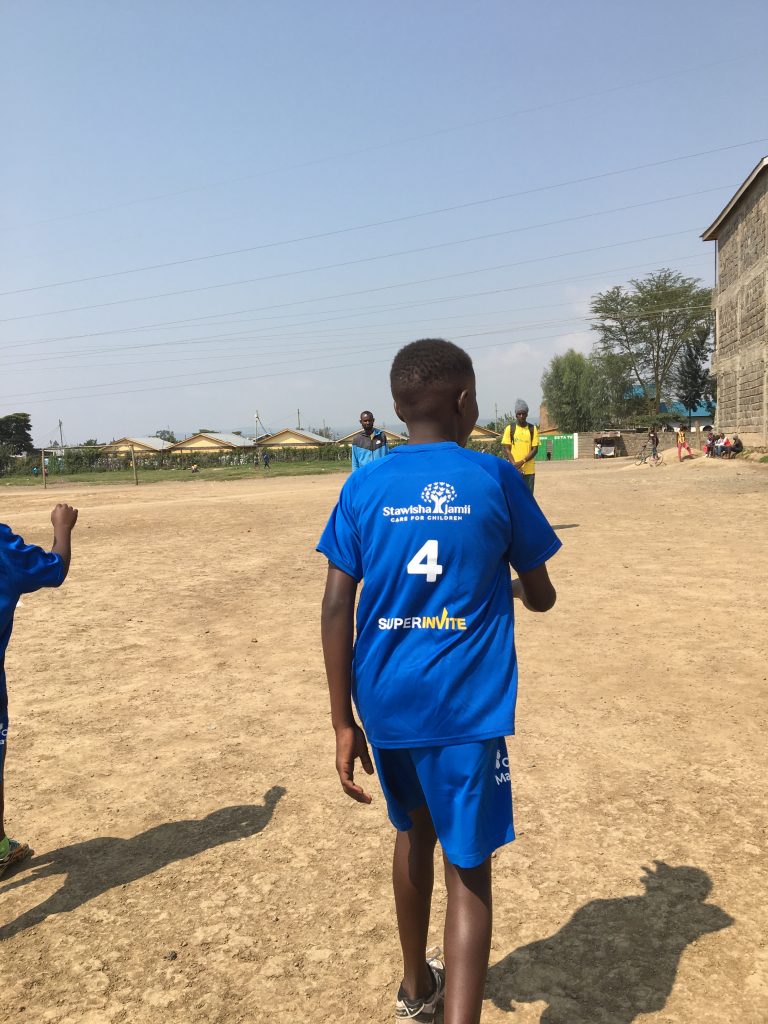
(63, 517)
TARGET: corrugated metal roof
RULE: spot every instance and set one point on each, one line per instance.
(701, 411)
(234, 439)
(157, 443)
(299, 433)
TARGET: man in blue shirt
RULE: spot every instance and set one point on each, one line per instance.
(369, 444)
(25, 568)
(433, 531)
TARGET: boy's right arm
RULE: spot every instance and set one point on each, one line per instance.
(63, 518)
(337, 628)
(535, 589)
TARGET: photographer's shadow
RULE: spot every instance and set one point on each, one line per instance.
(98, 865)
(614, 959)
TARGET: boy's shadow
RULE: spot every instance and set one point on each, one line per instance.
(614, 959)
(98, 865)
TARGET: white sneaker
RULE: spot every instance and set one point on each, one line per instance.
(423, 1010)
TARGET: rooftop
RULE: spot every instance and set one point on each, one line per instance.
(713, 230)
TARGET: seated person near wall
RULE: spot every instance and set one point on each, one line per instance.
(737, 447)
(709, 445)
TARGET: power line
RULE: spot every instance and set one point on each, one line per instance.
(399, 220)
(416, 304)
(354, 348)
(394, 142)
(347, 263)
(235, 380)
(304, 346)
(347, 313)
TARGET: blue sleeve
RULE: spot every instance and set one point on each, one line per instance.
(532, 539)
(340, 542)
(355, 463)
(26, 567)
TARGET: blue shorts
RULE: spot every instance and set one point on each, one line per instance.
(466, 788)
(3, 720)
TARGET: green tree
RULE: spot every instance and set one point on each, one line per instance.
(649, 325)
(568, 388)
(693, 380)
(323, 432)
(16, 433)
(167, 435)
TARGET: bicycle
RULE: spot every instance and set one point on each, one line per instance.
(646, 457)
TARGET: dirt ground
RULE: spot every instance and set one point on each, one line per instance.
(171, 761)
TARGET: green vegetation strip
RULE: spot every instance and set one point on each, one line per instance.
(152, 476)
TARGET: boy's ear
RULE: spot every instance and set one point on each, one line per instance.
(461, 402)
(398, 413)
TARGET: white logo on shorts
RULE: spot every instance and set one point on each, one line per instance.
(502, 762)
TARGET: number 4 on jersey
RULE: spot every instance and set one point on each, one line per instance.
(424, 562)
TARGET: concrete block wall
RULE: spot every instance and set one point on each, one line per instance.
(740, 362)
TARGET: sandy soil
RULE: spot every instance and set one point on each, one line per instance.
(172, 763)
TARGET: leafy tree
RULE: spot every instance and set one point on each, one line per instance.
(568, 388)
(693, 378)
(167, 435)
(615, 401)
(650, 325)
(502, 422)
(16, 433)
(323, 432)
(90, 443)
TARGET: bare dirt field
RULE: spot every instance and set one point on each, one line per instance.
(171, 761)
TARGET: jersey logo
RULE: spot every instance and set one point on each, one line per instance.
(444, 621)
(439, 495)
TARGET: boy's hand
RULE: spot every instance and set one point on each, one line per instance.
(351, 745)
(63, 518)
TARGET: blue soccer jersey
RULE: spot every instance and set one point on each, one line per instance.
(432, 531)
(23, 568)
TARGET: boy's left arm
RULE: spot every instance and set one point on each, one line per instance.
(337, 628)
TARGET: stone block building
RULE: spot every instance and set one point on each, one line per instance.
(740, 361)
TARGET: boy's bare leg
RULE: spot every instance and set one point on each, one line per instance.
(468, 924)
(413, 877)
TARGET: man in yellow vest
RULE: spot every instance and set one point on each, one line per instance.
(521, 443)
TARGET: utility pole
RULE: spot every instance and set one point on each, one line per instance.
(495, 416)
(298, 419)
(61, 434)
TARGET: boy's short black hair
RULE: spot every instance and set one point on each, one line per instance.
(426, 363)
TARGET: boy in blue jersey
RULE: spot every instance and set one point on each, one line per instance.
(432, 530)
(25, 568)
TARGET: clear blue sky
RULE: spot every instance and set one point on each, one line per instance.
(142, 133)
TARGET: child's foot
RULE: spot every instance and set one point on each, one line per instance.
(423, 1010)
(12, 852)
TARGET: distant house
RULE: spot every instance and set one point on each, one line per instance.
(293, 437)
(391, 436)
(140, 445)
(482, 435)
(700, 417)
(210, 442)
(740, 362)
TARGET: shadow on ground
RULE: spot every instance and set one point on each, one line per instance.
(98, 865)
(566, 526)
(615, 959)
